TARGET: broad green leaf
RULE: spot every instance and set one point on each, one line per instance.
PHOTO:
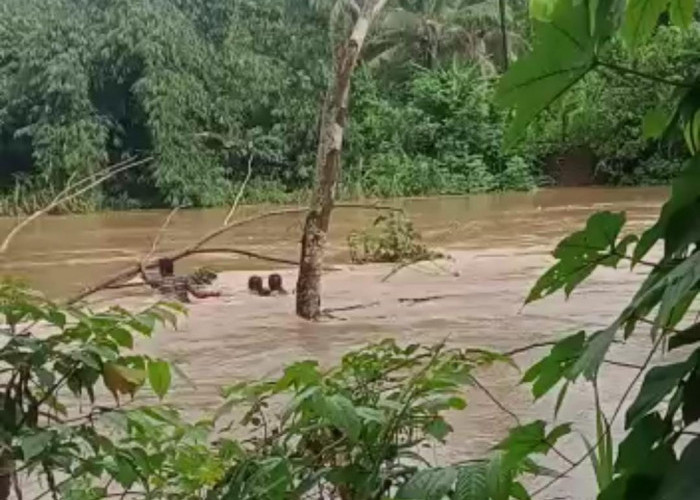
(519, 492)
(674, 215)
(529, 439)
(159, 377)
(562, 54)
(428, 484)
(121, 470)
(542, 10)
(120, 379)
(580, 253)
(34, 444)
(121, 336)
(682, 12)
(371, 415)
(547, 372)
(499, 477)
(605, 18)
(635, 448)
(340, 412)
(690, 335)
(471, 482)
(438, 428)
(691, 132)
(681, 483)
(523, 441)
(641, 18)
(691, 401)
(658, 383)
(594, 353)
(299, 375)
(655, 123)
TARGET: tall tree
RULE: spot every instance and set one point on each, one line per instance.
(431, 31)
(330, 143)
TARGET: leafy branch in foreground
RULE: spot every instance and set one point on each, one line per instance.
(356, 431)
(652, 462)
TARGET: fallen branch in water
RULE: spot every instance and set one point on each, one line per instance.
(354, 307)
(237, 200)
(418, 300)
(133, 270)
(198, 248)
(71, 192)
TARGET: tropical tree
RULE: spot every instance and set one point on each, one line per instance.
(429, 32)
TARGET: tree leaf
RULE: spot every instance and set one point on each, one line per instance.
(121, 336)
(341, 413)
(34, 444)
(471, 482)
(637, 445)
(682, 12)
(655, 123)
(428, 484)
(688, 336)
(371, 414)
(691, 401)
(121, 379)
(552, 368)
(438, 428)
(562, 55)
(658, 382)
(580, 253)
(594, 353)
(684, 194)
(298, 375)
(159, 377)
(640, 21)
(499, 477)
(519, 492)
(681, 483)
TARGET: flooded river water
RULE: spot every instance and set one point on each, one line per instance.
(499, 244)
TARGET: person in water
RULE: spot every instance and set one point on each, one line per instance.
(181, 287)
(255, 286)
(274, 281)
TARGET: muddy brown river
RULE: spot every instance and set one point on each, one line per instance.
(498, 243)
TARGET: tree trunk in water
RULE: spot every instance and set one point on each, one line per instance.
(330, 143)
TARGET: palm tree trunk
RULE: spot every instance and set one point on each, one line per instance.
(333, 119)
(504, 32)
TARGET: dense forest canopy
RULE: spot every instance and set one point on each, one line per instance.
(204, 86)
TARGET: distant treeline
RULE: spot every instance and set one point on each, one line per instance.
(205, 86)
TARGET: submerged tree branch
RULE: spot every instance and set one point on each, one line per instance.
(240, 191)
(71, 192)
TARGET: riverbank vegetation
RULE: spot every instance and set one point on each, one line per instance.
(205, 87)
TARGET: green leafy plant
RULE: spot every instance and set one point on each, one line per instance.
(390, 238)
(652, 460)
(356, 431)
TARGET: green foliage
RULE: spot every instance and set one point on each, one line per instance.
(390, 238)
(608, 113)
(355, 431)
(83, 84)
(652, 461)
(579, 254)
(438, 133)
